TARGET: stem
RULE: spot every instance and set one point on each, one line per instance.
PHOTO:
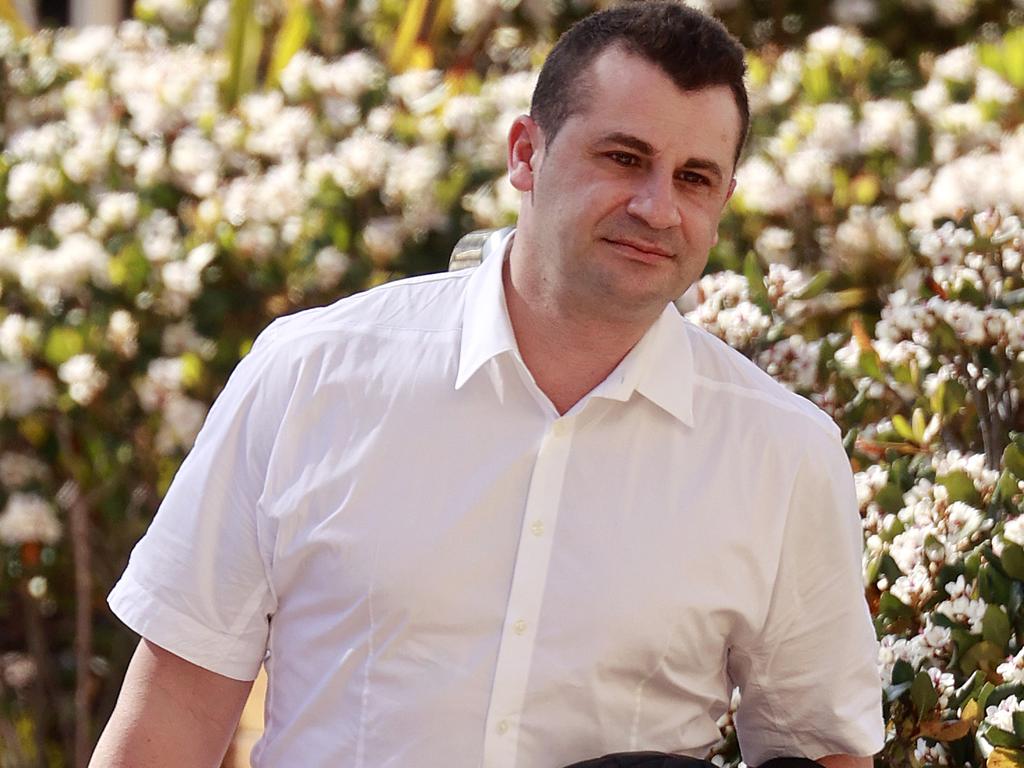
(79, 518)
(35, 638)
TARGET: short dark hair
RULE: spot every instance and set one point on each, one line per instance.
(692, 48)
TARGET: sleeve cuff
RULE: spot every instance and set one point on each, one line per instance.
(232, 656)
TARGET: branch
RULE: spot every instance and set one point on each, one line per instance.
(78, 514)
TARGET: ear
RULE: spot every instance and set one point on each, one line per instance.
(525, 150)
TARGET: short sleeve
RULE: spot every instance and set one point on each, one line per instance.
(197, 583)
(809, 685)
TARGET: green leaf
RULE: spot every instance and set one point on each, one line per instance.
(893, 607)
(290, 39)
(983, 696)
(244, 40)
(890, 498)
(1013, 57)
(62, 344)
(923, 694)
(816, 83)
(870, 364)
(997, 737)
(902, 672)
(1013, 560)
(919, 425)
(960, 487)
(993, 586)
(984, 656)
(816, 286)
(995, 626)
(755, 283)
(903, 427)
(1013, 460)
(970, 686)
(1018, 725)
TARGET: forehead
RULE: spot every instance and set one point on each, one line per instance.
(624, 92)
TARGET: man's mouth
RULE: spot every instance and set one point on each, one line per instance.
(640, 250)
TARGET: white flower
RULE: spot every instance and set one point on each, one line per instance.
(349, 77)
(915, 587)
(28, 518)
(810, 170)
(952, 13)
(182, 278)
(18, 470)
(22, 390)
(961, 608)
(887, 124)
(52, 274)
(330, 265)
(930, 754)
(83, 377)
(118, 210)
(958, 64)
(81, 47)
(160, 238)
(196, 161)
(760, 188)
(18, 336)
(182, 419)
(162, 380)
(414, 174)
(775, 244)
(123, 333)
(19, 669)
(1012, 670)
(793, 362)
(420, 89)
(28, 184)
(1001, 716)
(855, 12)
(1013, 531)
(835, 41)
(68, 219)
(990, 87)
(383, 238)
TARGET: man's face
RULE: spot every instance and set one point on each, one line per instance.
(623, 205)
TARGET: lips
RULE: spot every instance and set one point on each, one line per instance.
(640, 250)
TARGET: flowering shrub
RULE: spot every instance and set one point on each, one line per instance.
(871, 260)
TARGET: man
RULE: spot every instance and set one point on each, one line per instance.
(522, 515)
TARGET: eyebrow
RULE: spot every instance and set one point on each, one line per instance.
(645, 149)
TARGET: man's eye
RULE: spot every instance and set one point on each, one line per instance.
(623, 158)
(694, 178)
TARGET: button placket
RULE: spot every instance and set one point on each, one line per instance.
(526, 596)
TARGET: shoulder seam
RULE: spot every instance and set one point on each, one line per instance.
(755, 394)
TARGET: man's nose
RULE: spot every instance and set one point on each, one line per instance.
(655, 202)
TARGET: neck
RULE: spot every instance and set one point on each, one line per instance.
(568, 351)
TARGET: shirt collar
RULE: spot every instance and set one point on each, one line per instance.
(486, 329)
(659, 367)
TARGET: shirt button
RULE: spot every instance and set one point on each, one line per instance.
(560, 428)
(519, 627)
(537, 527)
(502, 727)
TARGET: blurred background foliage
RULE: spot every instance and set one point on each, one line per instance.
(169, 186)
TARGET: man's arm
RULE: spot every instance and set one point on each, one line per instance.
(170, 713)
(845, 761)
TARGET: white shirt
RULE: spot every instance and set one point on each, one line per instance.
(438, 570)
